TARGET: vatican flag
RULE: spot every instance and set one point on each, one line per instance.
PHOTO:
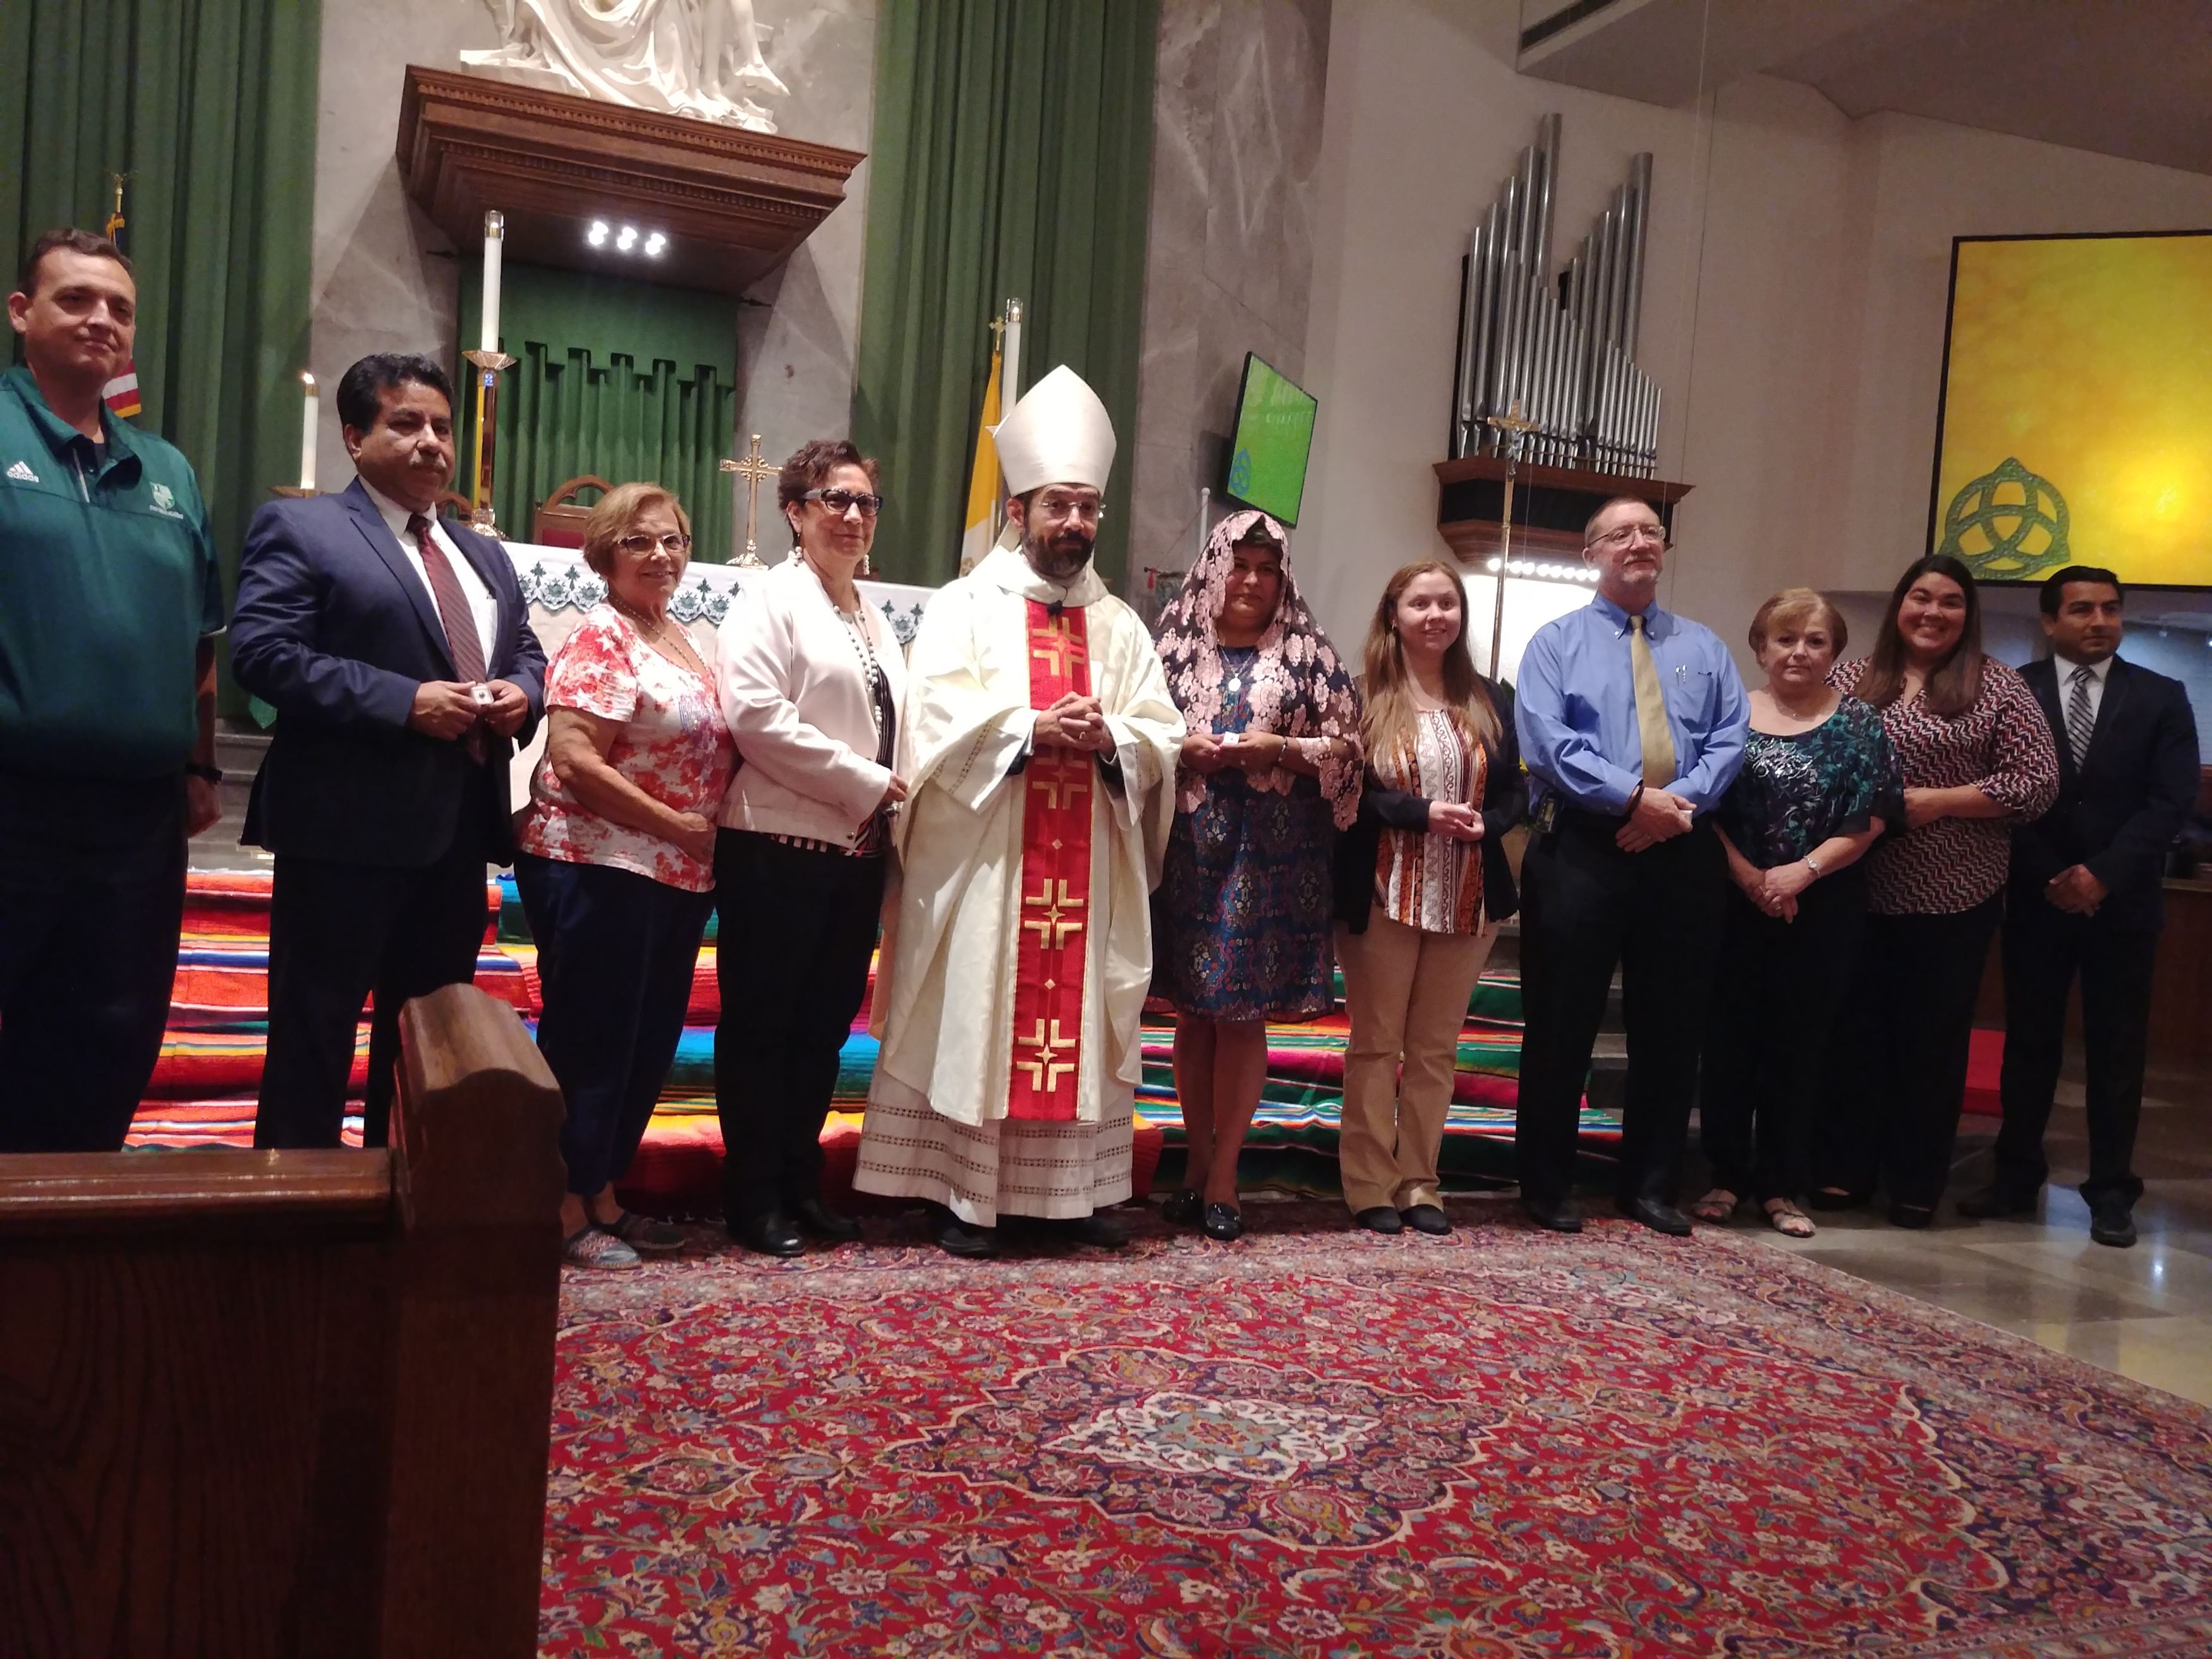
(983, 481)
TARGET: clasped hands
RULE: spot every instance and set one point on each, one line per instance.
(2075, 891)
(1657, 815)
(1074, 722)
(1773, 892)
(1248, 751)
(447, 709)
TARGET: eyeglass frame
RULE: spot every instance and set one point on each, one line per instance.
(1628, 532)
(870, 502)
(640, 543)
(1093, 512)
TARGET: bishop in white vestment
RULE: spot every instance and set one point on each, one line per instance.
(1039, 741)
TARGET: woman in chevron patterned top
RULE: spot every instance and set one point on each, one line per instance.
(1976, 757)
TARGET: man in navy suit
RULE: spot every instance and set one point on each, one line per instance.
(2087, 895)
(397, 652)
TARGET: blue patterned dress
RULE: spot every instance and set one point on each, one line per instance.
(1240, 922)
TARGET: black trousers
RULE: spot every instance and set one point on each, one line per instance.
(92, 897)
(1898, 1068)
(338, 932)
(797, 927)
(617, 952)
(1586, 907)
(1775, 999)
(2043, 949)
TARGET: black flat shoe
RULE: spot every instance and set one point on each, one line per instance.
(1182, 1208)
(815, 1217)
(1657, 1214)
(1102, 1230)
(1380, 1220)
(2112, 1223)
(772, 1234)
(970, 1243)
(1561, 1215)
(1223, 1222)
(1912, 1216)
(1994, 1203)
(1428, 1219)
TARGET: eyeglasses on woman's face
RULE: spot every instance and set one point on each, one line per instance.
(842, 502)
(644, 542)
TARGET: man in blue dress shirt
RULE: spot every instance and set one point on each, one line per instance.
(1633, 723)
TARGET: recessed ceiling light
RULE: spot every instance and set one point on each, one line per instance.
(627, 240)
(597, 236)
(653, 244)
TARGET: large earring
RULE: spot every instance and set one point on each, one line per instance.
(868, 566)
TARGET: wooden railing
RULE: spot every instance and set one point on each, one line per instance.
(296, 1402)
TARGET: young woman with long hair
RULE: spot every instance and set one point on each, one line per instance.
(1422, 883)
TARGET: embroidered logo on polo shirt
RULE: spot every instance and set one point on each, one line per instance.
(22, 470)
(165, 502)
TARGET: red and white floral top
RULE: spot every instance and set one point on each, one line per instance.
(673, 746)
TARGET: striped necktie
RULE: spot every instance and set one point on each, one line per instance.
(1652, 731)
(465, 644)
(2081, 721)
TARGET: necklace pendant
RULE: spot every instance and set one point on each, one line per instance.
(1237, 683)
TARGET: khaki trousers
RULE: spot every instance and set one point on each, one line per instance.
(1406, 992)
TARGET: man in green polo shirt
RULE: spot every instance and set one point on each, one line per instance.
(110, 601)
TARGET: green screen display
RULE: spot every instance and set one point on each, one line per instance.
(1274, 438)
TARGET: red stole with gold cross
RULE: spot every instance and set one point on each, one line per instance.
(1057, 787)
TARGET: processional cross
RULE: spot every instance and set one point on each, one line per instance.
(1512, 428)
(754, 470)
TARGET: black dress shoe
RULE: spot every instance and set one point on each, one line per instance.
(1428, 1219)
(1912, 1217)
(1380, 1220)
(1224, 1222)
(1182, 1208)
(1657, 1214)
(772, 1234)
(818, 1219)
(1993, 1202)
(2110, 1222)
(1561, 1215)
(969, 1243)
(1102, 1230)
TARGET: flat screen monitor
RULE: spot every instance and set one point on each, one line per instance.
(1274, 439)
(2075, 425)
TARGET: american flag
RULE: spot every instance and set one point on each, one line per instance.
(121, 393)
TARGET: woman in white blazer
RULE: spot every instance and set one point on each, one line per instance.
(812, 675)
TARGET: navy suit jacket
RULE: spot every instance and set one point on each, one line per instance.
(2119, 813)
(335, 630)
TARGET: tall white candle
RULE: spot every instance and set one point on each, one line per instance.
(308, 416)
(1010, 364)
(495, 240)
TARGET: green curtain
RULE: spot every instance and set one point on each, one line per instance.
(627, 380)
(1012, 158)
(208, 105)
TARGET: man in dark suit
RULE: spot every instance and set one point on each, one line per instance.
(2086, 896)
(398, 653)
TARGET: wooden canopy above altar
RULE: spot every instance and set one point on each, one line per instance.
(732, 204)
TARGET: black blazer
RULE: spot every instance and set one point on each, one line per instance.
(1504, 804)
(2121, 811)
(334, 630)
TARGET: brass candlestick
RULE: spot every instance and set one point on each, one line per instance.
(1512, 427)
(488, 364)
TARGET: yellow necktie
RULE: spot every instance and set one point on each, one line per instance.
(1651, 726)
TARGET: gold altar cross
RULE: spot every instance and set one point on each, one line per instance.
(1053, 926)
(1047, 1069)
(754, 470)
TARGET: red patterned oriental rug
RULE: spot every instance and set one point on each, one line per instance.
(1320, 1442)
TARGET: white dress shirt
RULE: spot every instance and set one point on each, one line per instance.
(2099, 671)
(482, 604)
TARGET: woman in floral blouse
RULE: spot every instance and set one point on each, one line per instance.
(616, 864)
(1819, 782)
(1978, 758)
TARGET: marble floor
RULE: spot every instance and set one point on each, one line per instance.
(2145, 1312)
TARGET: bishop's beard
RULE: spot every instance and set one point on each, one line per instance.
(1061, 555)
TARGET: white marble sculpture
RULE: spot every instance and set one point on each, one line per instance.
(696, 57)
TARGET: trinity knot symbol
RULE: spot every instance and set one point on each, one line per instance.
(2007, 525)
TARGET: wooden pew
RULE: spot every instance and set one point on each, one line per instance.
(290, 1403)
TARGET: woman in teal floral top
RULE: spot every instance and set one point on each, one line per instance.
(1819, 782)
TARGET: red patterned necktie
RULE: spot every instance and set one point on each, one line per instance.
(462, 641)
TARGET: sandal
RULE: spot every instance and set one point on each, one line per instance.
(595, 1247)
(1716, 1206)
(1788, 1219)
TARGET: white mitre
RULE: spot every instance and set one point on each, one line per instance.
(1057, 432)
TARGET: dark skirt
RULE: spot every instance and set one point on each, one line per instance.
(1240, 922)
